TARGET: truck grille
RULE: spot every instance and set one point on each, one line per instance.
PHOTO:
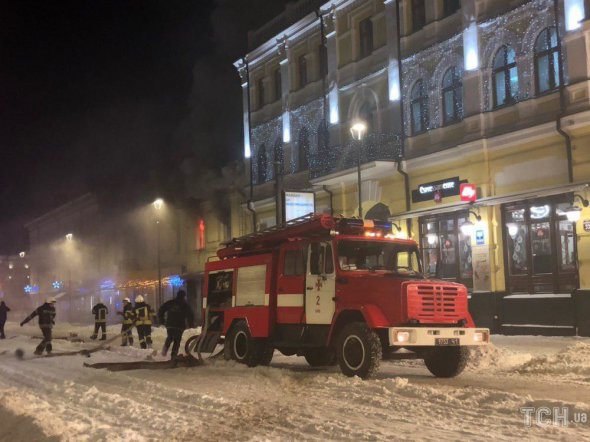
(437, 303)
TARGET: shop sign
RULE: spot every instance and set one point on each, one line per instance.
(297, 204)
(468, 192)
(444, 188)
(587, 225)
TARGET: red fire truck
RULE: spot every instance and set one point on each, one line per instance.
(335, 290)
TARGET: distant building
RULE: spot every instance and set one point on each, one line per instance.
(491, 94)
(15, 280)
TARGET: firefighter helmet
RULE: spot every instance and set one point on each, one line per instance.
(52, 300)
(126, 300)
(139, 298)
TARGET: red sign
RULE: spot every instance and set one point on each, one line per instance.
(468, 192)
(438, 196)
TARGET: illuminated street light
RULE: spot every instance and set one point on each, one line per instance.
(70, 236)
(158, 203)
(22, 254)
(468, 227)
(573, 212)
(357, 131)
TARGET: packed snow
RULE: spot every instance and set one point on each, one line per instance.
(58, 399)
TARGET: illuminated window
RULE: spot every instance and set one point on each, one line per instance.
(505, 73)
(201, 235)
(419, 107)
(366, 37)
(452, 90)
(547, 61)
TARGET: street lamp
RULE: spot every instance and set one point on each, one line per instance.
(158, 203)
(467, 227)
(573, 212)
(70, 236)
(357, 131)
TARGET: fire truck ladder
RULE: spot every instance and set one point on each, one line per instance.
(306, 225)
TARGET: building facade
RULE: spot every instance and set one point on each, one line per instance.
(491, 97)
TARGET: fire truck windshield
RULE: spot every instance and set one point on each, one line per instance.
(359, 255)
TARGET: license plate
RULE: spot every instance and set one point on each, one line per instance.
(446, 341)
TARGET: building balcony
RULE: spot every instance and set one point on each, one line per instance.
(375, 147)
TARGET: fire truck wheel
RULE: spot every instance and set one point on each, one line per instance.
(446, 362)
(359, 350)
(320, 357)
(242, 348)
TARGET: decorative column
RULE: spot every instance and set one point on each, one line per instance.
(393, 65)
(284, 53)
(243, 71)
(472, 80)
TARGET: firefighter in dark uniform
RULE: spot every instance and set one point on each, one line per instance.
(127, 324)
(144, 315)
(100, 312)
(46, 314)
(3, 316)
(177, 315)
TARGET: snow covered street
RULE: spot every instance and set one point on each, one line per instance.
(289, 400)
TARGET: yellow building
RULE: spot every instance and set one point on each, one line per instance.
(488, 97)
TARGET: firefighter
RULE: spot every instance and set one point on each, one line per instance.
(46, 314)
(100, 312)
(177, 315)
(127, 324)
(3, 316)
(144, 315)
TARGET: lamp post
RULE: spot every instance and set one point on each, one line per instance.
(69, 239)
(358, 130)
(158, 206)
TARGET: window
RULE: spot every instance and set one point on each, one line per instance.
(278, 85)
(505, 77)
(302, 71)
(323, 57)
(547, 61)
(540, 247)
(262, 164)
(366, 37)
(451, 6)
(418, 14)
(261, 92)
(452, 90)
(303, 149)
(294, 263)
(419, 108)
(446, 250)
(320, 259)
(373, 256)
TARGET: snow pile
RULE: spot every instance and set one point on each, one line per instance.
(573, 361)
(494, 358)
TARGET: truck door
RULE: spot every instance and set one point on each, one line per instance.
(320, 284)
(291, 284)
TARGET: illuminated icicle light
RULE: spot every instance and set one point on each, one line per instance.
(247, 150)
(333, 103)
(286, 127)
(574, 14)
(471, 47)
(394, 86)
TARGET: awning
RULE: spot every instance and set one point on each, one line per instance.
(493, 201)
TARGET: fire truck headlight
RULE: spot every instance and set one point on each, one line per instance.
(479, 336)
(402, 336)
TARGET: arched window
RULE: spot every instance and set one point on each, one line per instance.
(547, 61)
(419, 107)
(262, 163)
(505, 75)
(303, 149)
(452, 90)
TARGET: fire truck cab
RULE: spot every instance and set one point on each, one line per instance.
(336, 290)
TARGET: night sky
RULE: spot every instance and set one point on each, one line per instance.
(110, 96)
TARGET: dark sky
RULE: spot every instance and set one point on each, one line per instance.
(110, 95)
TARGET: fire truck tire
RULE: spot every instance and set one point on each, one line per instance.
(320, 357)
(242, 348)
(447, 362)
(359, 351)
